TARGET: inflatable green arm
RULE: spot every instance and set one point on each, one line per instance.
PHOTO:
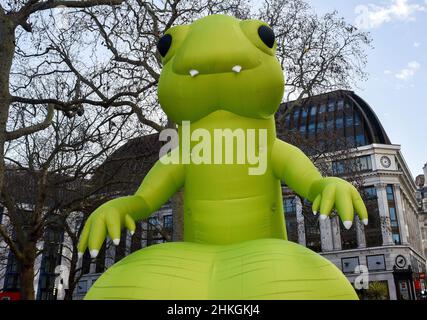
(294, 168)
(162, 181)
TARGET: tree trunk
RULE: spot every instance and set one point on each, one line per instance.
(7, 50)
(26, 270)
(73, 277)
(27, 276)
(178, 216)
(27, 281)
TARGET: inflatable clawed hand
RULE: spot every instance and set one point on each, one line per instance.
(109, 218)
(329, 193)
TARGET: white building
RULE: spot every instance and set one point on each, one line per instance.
(421, 183)
(390, 247)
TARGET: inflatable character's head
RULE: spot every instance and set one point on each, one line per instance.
(220, 63)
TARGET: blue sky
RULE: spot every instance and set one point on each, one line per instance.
(397, 67)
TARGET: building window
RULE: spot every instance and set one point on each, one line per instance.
(349, 120)
(86, 261)
(395, 232)
(100, 259)
(312, 121)
(296, 117)
(304, 114)
(288, 121)
(373, 231)
(364, 164)
(168, 223)
(357, 121)
(312, 229)
(82, 287)
(11, 279)
(338, 167)
(291, 219)
(320, 125)
(349, 264)
(360, 140)
(313, 111)
(339, 123)
(378, 290)
(390, 194)
(371, 193)
(331, 106)
(51, 258)
(153, 234)
(348, 237)
(376, 262)
(360, 164)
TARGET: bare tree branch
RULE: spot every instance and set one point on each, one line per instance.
(32, 129)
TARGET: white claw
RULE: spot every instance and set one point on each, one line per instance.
(347, 224)
(237, 68)
(79, 255)
(93, 253)
(315, 212)
(365, 222)
(323, 217)
(194, 72)
(116, 242)
(132, 232)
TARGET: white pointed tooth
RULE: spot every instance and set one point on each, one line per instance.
(237, 68)
(116, 242)
(194, 72)
(132, 232)
(365, 222)
(347, 224)
(93, 253)
(315, 212)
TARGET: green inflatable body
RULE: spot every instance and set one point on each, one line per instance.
(222, 73)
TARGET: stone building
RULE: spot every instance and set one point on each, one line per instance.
(421, 182)
(341, 131)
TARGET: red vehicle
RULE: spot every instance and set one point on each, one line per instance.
(10, 296)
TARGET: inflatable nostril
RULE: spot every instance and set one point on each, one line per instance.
(267, 36)
(164, 44)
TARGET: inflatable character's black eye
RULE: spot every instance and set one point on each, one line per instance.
(164, 44)
(267, 36)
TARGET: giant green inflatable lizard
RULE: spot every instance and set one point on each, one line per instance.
(222, 73)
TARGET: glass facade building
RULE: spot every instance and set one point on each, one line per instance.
(344, 130)
(349, 117)
(336, 121)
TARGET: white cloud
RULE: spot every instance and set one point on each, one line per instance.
(417, 44)
(372, 15)
(387, 72)
(409, 72)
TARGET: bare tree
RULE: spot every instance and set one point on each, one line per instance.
(15, 14)
(90, 58)
(48, 177)
(318, 53)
